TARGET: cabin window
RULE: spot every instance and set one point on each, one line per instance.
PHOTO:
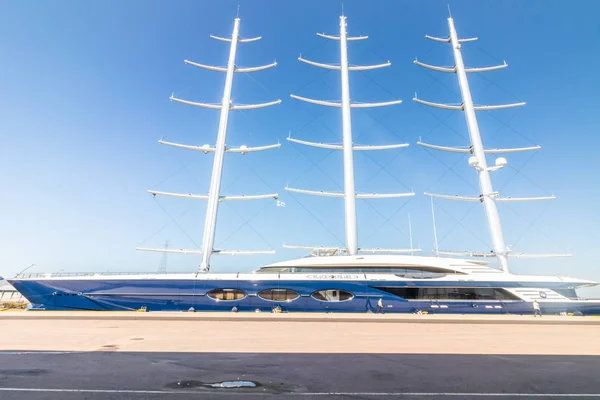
(226, 294)
(446, 293)
(333, 295)
(279, 295)
(569, 293)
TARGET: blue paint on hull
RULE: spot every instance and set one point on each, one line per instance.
(180, 295)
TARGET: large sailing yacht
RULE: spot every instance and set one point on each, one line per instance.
(332, 279)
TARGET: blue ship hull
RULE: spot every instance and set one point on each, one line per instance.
(181, 295)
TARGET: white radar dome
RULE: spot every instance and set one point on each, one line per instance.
(501, 162)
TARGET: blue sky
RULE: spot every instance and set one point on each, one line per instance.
(86, 88)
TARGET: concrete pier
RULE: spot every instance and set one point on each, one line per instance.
(97, 355)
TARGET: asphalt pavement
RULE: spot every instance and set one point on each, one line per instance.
(155, 375)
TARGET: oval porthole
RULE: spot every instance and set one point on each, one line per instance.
(332, 295)
(279, 295)
(226, 294)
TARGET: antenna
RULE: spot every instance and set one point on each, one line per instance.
(162, 267)
(26, 268)
(437, 249)
(412, 253)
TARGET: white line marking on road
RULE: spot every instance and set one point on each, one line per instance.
(18, 353)
(417, 394)
(254, 393)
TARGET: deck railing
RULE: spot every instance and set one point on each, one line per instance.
(74, 274)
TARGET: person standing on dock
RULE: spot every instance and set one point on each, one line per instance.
(380, 306)
(536, 309)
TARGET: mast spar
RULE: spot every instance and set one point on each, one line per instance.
(478, 161)
(214, 195)
(349, 195)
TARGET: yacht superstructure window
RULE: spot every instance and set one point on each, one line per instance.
(279, 295)
(226, 294)
(333, 295)
(569, 293)
(402, 271)
(413, 293)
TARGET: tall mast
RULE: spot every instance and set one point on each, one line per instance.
(210, 221)
(214, 194)
(478, 161)
(349, 195)
(485, 182)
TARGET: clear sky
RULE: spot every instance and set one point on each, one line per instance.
(86, 89)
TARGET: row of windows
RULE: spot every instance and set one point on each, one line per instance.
(332, 295)
(398, 270)
(450, 293)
